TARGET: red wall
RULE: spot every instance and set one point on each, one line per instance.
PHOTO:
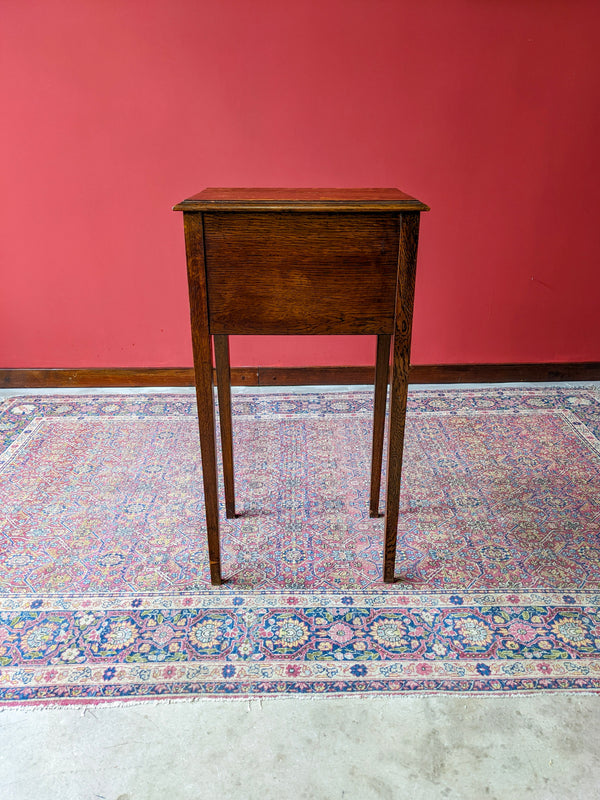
(116, 109)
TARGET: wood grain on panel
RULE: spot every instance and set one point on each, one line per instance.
(302, 273)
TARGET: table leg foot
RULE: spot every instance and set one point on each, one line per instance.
(215, 574)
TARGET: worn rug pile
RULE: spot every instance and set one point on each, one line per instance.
(104, 583)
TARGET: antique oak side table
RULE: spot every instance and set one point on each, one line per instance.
(301, 261)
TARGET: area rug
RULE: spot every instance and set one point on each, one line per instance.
(104, 583)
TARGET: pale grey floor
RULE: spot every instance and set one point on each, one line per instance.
(414, 748)
(544, 747)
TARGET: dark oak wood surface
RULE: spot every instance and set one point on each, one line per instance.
(405, 292)
(225, 422)
(299, 200)
(382, 361)
(203, 369)
(315, 273)
(343, 263)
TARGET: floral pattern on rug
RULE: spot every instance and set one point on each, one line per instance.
(105, 591)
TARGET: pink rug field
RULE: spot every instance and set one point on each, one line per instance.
(104, 586)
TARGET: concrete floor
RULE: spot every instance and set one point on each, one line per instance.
(543, 747)
(415, 748)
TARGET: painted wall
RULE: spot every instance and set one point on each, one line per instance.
(116, 109)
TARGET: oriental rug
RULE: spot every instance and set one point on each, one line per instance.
(104, 583)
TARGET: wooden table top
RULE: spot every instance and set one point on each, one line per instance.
(331, 200)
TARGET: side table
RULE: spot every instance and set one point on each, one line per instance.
(301, 261)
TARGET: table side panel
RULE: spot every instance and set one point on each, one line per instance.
(301, 273)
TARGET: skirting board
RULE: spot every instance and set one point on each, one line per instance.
(297, 376)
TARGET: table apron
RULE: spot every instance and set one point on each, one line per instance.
(311, 273)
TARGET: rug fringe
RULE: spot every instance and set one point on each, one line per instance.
(257, 701)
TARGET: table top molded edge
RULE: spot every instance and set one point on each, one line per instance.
(331, 200)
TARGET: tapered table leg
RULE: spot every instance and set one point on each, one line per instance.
(203, 368)
(405, 291)
(382, 363)
(224, 392)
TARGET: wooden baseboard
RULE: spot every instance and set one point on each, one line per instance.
(505, 373)
(297, 376)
